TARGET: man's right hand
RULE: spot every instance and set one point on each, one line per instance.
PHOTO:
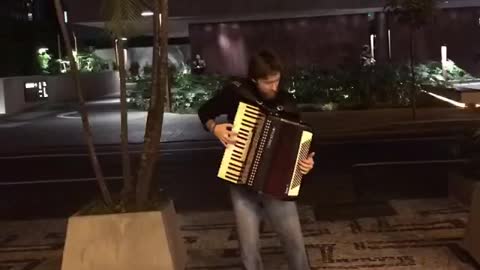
(225, 134)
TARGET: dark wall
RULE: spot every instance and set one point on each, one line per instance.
(325, 41)
(458, 29)
(235, 7)
(334, 41)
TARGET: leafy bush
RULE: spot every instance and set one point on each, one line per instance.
(384, 85)
(432, 74)
(347, 88)
(89, 62)
(139, 97)
(190, 91)
(391, 85)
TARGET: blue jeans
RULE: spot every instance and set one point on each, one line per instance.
(283, 217)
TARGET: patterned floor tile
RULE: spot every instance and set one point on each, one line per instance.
(422, 235)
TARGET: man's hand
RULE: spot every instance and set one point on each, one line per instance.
(307, 164)
(224, 134)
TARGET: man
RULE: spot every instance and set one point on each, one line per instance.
(263, 87)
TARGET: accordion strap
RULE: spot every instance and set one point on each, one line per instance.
(247, 94)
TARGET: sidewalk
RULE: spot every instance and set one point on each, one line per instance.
(61, 127)
(416, 234)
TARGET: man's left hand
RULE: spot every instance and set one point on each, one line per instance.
(307, 164)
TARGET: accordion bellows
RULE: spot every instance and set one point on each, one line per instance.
(266, 154)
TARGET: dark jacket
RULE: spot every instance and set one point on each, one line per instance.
(227, 99)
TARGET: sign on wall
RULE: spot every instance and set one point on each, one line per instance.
(35, 91)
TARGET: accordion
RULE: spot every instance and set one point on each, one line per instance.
(266, 154)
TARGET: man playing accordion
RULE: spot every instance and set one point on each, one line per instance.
(262, 84)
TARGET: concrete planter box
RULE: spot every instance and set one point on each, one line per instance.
(461, 188)
(472, 234)
(143, 240)
(467, 92)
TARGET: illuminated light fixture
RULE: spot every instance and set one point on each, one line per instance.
(65, 16)
(389, 44)
(150, 13)
(444, 53)
(124, 38)
(372, 45)
(444, 60)
(147, 13)
(35, 91)
(43, 91)
(451, 101)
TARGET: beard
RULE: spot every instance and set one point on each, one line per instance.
(268, 95)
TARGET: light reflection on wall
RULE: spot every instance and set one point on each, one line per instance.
(232, 49)
(299, 42)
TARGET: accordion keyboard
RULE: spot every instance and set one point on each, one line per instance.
(302, 154)
(234, 157)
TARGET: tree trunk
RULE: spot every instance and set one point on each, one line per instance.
(83, 111)
(168, 91)
(168, 96)
(128, 184)
(382, 36)
(155, 115)
(413, 90)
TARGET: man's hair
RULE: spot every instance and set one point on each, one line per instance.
(263, 64)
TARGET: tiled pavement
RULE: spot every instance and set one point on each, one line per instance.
(422, 234)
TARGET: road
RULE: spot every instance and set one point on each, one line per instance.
(58, 128)
(56, 184)
(44, 170)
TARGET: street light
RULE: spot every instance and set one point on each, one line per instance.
(150, 13)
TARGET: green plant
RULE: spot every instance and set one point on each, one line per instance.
(390, 85)
(44, 60)
(313, 85)
(89, 62)
(381, 85)
(191, 90)
(139, 96)
(431, 73)
(86, 62)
